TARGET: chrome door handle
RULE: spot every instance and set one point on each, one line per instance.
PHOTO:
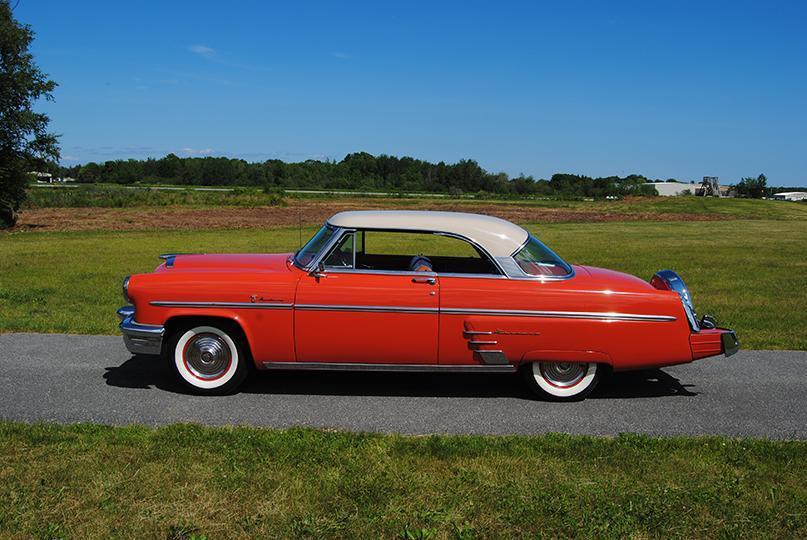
(429, 280)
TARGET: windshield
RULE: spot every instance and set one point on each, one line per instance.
(308, 252)
(538, 260)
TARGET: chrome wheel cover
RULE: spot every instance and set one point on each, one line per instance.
(207, 356)
(563, 374)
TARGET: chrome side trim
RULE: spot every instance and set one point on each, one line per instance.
(493, 358)
(379, 272)
(375, 309)
(593, 315)
(140, 338)
(238, 305)
(412, 368)
(474, 276)
(596, 315)
(467, 333)
(473, 342)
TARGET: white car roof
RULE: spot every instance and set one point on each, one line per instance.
(498, 237)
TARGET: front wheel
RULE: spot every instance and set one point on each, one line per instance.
(561, 381)
(208, 359)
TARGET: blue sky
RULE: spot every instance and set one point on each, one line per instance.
(664, 89)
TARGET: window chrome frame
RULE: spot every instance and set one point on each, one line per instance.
(335, 247)
(322, 252)
(341, 232)
(524, 275)
(496, 261)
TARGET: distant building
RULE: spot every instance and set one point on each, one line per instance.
(42, 177)
(47, 178)
(671, 189)
(709, 187)
(790, 196)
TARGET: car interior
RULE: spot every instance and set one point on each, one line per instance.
(407, 251)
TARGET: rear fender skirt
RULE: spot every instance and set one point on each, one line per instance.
(567, 356)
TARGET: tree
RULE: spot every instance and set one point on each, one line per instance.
(754, 188)
(25, 143)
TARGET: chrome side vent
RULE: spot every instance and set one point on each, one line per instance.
(477, 339)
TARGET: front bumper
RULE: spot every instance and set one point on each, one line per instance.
(140, 338)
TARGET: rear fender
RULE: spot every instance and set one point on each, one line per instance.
(595, 357)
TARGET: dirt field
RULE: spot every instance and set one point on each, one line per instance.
(309, 212)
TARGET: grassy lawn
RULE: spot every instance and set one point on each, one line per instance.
(92, 481)
(749, 273)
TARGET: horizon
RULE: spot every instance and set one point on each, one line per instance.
(680, 91)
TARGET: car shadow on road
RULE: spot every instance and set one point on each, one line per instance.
(147, 372)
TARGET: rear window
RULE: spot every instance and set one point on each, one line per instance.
(538, 260)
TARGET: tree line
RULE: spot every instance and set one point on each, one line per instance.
(357, 171)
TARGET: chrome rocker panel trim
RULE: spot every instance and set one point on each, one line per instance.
(412, 368)
(140, 338)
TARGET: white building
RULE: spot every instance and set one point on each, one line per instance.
(790, 196)
(671, 189)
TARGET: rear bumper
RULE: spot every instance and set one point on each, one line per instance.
(140, 338)
(730, 342)
(712, 342)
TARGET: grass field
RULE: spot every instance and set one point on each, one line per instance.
(747, 267)
(175, 482)
(749, 273)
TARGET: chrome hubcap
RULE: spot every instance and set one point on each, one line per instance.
(563, 374)
(207, 356)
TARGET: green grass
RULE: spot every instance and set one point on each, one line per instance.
(91, 481)
(750, 274)
(118, 197)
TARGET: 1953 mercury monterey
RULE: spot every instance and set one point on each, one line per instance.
(413, 291)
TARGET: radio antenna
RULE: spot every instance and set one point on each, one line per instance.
(300, 226)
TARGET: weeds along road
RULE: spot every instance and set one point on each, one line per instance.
(70, 378)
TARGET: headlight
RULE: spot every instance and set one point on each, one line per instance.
(126, 289)
(670, 281)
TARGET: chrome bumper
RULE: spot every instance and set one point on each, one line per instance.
(730, 342)
(140, 338)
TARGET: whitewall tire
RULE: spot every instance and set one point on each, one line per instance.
(562, 381)
(208, 359)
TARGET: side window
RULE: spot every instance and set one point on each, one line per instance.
(342, 254)
(413, 252)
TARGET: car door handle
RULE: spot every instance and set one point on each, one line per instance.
(429, 280)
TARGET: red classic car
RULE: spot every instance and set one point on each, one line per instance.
(413, 291)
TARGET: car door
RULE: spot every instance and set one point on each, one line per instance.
(345, 314)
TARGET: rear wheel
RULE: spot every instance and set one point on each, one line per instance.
(561, 381)
(209, 359)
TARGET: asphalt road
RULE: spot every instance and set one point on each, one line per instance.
(67, 378)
